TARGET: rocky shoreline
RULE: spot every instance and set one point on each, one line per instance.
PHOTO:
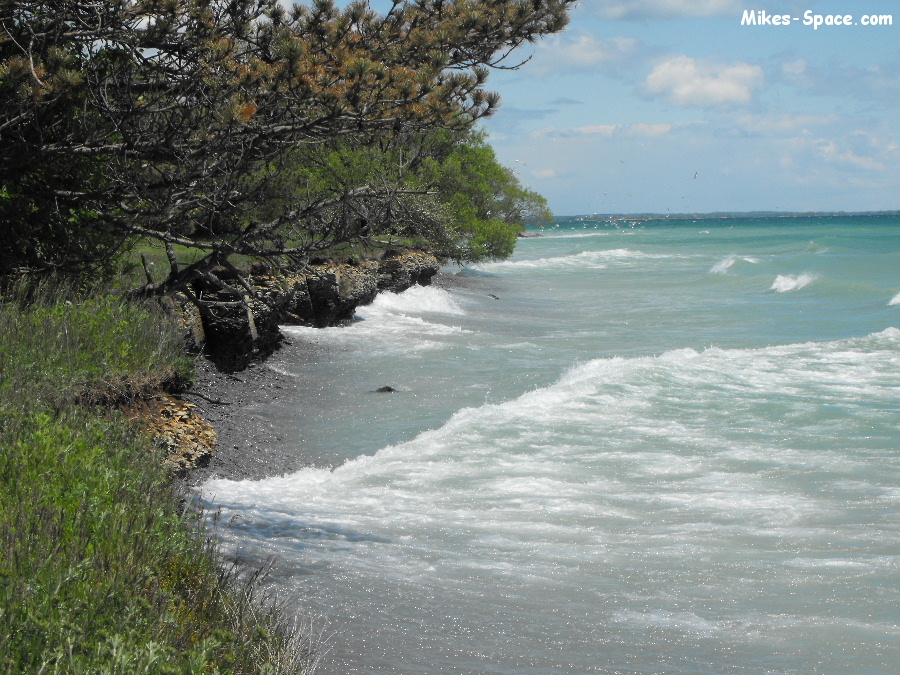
(205, 431)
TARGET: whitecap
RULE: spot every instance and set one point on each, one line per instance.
(785, 283)
(895, 301)
(726, 264)
(723, 265)
(585, 259)
(393, 322)
(417, 300)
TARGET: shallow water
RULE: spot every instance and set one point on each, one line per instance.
(666, 448)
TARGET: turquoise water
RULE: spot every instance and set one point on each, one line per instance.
(666, 447)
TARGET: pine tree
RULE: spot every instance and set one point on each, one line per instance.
(179, 120)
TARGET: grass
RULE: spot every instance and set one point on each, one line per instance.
(100, 570)
(91, 351)
(132, 274)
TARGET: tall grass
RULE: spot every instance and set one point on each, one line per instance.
(100, 571)
(94, 350)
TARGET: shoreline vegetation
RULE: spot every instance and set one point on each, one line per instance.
(103, 567)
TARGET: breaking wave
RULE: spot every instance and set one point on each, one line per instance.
(784, 283)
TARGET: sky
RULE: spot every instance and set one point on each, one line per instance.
(674, 106)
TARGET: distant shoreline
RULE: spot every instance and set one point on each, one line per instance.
(719, 215)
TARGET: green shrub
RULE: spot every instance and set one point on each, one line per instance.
(100, 573)
(101, 568)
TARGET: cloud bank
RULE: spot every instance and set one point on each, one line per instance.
(620, 10)
(685, 81)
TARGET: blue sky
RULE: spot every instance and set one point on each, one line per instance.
(674, 106)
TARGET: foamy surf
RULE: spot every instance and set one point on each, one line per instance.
(420, 318)
(643, 484)
(416, 300)
(785, 283)
(648, 405)
(583, 260)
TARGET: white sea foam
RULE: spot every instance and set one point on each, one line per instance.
(692, 510)
(531, 451)
(895, 301)
(723, 265)
(418, 300)
(784, 283)
(619, 476)
(394, 322)
(585, 259)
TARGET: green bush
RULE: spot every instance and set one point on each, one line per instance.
(101, 568)
(100, 573)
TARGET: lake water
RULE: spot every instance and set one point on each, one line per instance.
(633, 448)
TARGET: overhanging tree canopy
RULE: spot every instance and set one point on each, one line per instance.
(176, 119)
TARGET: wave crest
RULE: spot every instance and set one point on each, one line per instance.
(723, 266)
(418, 299)
(784, 283)
(585, 259)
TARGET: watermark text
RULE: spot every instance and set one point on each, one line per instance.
(760, 17)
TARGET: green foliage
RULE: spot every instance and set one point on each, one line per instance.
(176, 120)
(101, 348)
(449, 193)
(51, 235)
(51, 222)
(487, 204)
(100, 572)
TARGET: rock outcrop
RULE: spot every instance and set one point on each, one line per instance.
(235, 334)
(321, 295)
(187, 440)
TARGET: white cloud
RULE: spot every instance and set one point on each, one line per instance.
(795, 69)
(848, 155)
(555, 133)
(686, 81)
(783, 123)
(832, 152)
(606, 130)
(649, 129)
(596, 130)
(659, 9)
(574, 51)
